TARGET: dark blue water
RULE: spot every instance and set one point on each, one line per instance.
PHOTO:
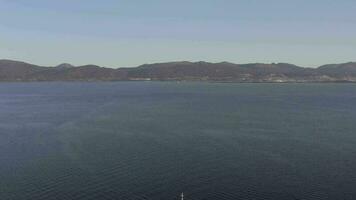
(154, 140)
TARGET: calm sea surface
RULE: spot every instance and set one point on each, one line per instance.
(154, 140)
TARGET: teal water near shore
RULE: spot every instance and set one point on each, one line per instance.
(153, 140)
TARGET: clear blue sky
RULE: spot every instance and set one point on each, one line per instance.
(124, 33)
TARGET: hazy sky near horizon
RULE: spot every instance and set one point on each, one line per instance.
(125, 33)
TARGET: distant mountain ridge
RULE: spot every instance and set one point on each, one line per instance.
(179, 71)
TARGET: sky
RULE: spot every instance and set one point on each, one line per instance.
(128, 33)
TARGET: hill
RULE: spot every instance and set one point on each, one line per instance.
(180, 71)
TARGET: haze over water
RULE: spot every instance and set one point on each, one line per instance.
(154, 140)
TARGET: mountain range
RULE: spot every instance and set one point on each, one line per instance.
(180, 71)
